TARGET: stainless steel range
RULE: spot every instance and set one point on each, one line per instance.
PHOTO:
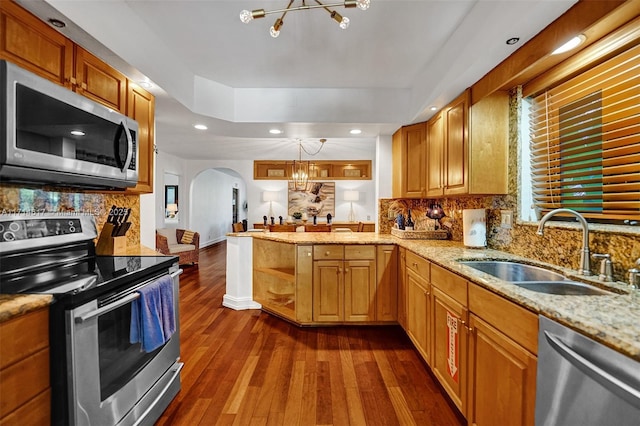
(102, 372)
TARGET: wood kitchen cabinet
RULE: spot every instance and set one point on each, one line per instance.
(409, 161)
(141, 107)
(402, 287)
(447, 149)
(35, 46)
(98, 81)
(462, 149)
(419, 314)
(386, 286)
(450, 334)
(344, 283)
(502, 361)
(24, 369)
(282, 279)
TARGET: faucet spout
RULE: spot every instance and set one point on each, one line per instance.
(585, 261)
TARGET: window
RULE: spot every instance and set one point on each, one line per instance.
(585, 142)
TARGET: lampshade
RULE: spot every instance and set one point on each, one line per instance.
(172, 208)
(351, 195)
(269, 195)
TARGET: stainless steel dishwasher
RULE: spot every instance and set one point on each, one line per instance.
(582, 382)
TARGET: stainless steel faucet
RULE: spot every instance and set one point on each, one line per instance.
(585, 261)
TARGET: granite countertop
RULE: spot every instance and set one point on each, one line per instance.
(609, 319)
(13, 305)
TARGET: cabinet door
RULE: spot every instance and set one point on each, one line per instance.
(359, 290)
(387, 286)
(456, 167)
(402, 287)
(414, 138)
(30, 43)
(98, 81)
(328, 291)
(502, 384)
(419, 313)
(141, 107)
(435, 156)
(450, 337)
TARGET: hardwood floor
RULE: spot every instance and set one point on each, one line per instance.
(250, 368)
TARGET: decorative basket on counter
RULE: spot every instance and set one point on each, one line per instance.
(439, 234)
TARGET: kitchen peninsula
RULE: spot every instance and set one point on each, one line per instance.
(331, 278)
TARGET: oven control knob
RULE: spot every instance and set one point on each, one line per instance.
(14, 226)
(9, 236)
(1, 227)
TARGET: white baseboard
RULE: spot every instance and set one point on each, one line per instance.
(239, 303)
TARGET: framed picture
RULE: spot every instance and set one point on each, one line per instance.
(351, 172)
(317, 199)
(275, 172)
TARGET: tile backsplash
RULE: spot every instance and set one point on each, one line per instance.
(18, 200)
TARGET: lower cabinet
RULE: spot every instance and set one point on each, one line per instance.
(502, 361)
(344, 283)
(24, 369)
(419, 313)
(402, 287)
(386, 283)
(480, 346)
(450, 339)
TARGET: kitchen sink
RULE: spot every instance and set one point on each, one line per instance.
(512, 271)
(565, 288)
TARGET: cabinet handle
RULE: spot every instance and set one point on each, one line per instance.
(326, 253)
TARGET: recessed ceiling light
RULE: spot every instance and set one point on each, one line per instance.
(275, 131)
(355, 131)
(77, 133)
(571, 44)
(200, 126)
(434, 108)
(513, 40)
(146, 84)
(56, 23)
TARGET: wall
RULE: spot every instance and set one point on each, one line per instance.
(561, 243)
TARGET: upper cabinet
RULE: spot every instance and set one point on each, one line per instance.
(464, 150)
(98, 81)
(35, 46)
(409, 163)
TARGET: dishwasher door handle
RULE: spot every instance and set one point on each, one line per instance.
(606, 379)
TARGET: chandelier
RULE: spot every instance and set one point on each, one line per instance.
(247, 16)
(300, 170)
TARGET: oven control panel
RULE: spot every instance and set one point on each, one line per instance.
(26, 229)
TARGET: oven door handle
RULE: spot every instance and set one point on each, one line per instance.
(115, 305)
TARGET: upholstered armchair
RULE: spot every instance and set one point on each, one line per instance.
(179, 242)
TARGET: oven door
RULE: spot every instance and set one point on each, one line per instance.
(113, 381)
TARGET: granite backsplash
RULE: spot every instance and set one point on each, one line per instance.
(18, 200)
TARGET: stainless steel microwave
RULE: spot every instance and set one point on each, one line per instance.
(51, 135)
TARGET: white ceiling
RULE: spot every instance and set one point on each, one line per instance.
(397, 59)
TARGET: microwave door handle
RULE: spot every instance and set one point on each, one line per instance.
(116, 143)
(127, 162)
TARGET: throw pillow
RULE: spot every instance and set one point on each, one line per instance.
(187, 237)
